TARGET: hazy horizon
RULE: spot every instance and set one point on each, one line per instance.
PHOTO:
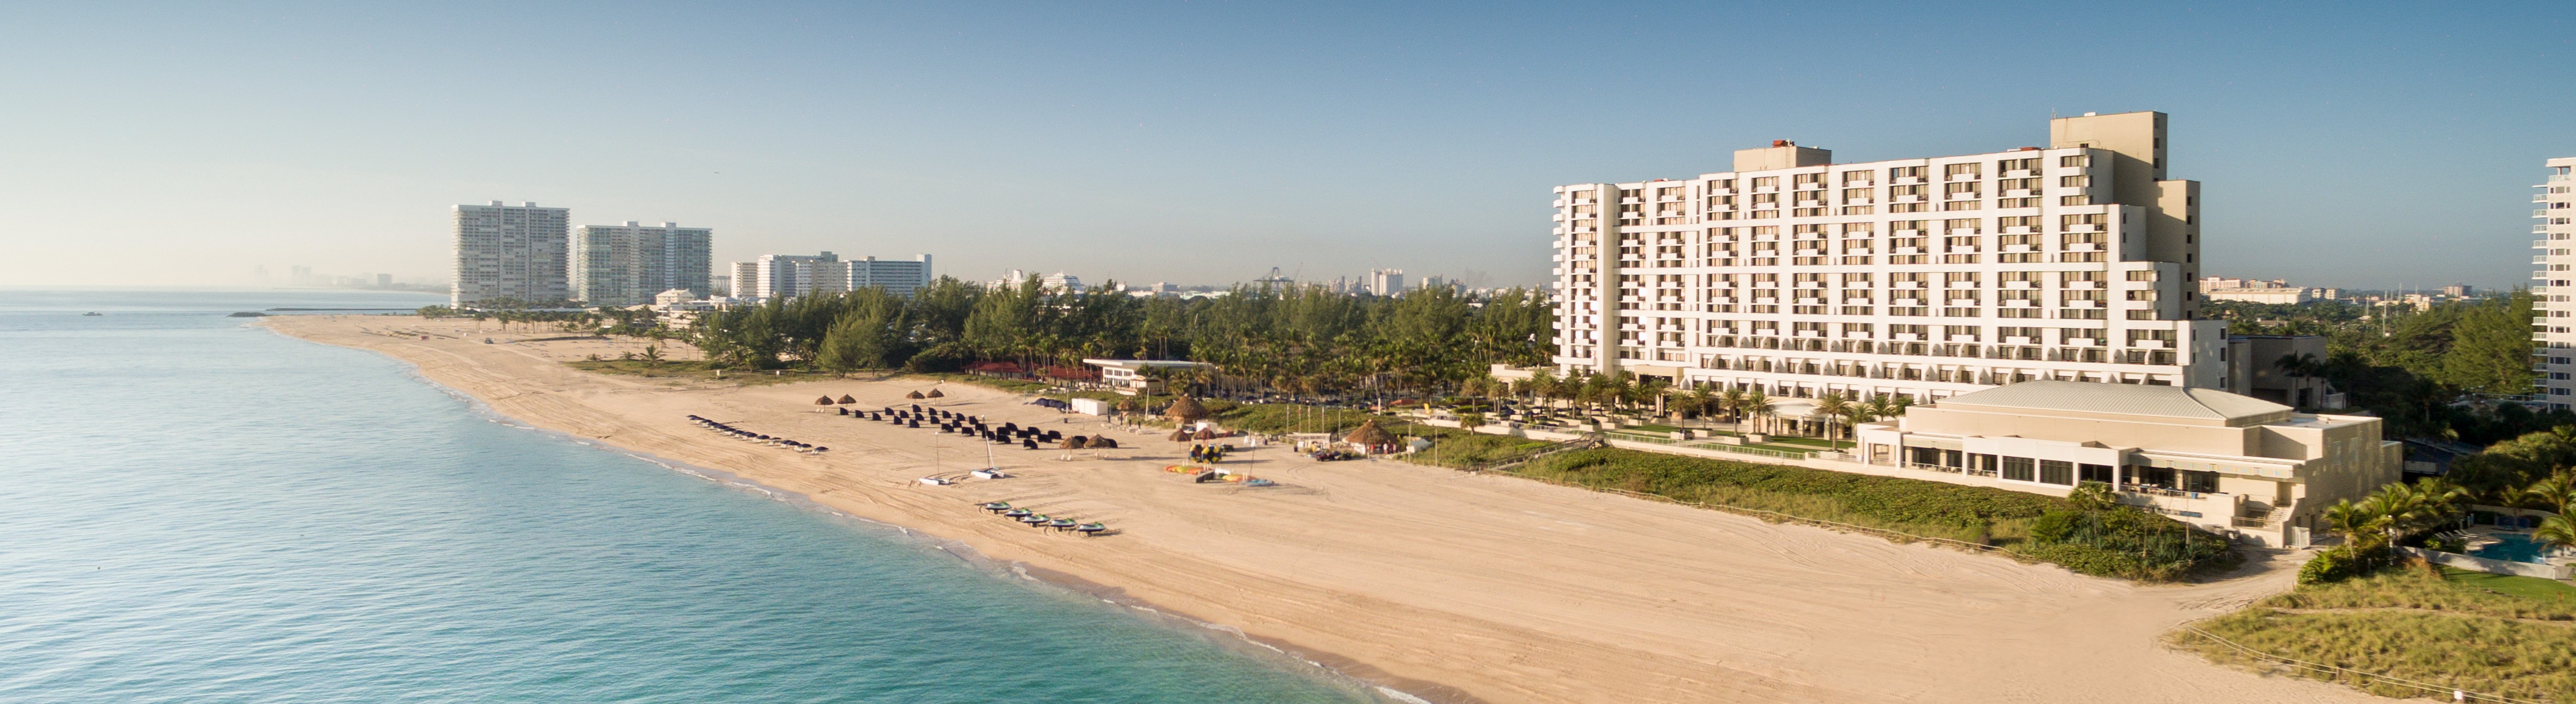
(180, 145)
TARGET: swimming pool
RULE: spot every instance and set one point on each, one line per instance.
(2514, 547)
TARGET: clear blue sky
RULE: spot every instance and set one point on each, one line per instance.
(2339, 143)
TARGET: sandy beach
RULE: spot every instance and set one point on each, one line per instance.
(1445, 586)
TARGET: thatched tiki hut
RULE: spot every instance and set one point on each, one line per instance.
(824, 401)
(1186, 410)
(1103, 442)
(847, 399)
(1076, 442)
(1375, 439)
(915, 394)
(934, 393)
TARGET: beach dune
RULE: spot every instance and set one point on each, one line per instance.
(1445, 586)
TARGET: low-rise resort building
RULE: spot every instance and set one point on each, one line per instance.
(2226, 461)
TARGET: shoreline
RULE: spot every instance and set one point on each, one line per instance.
(1420, 581)
(1335, 669)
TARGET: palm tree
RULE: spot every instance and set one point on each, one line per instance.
(1731, 401)
(1832, 406)
(1703, 400)
(2299, 364)
(2555, 493)
(2558, 531)
(2357, 523)
(1756, 405)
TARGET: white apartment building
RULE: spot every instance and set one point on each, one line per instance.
(1386, 282)
(2279, 291)
(1928, 277)
(790, 275)
(510, 251)
(2553, 339)
(626, 265)
(899, 276)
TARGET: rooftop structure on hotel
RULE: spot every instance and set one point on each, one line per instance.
(1927, 277)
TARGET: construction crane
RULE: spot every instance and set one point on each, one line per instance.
(1275, 277)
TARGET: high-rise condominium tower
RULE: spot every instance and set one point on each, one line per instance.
(2554, 353)
(1925, 277)
(510, 251)
(624, 265)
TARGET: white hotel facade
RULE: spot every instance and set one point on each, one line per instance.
(1927, 277)
(2552, 338)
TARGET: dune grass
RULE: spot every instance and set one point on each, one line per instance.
(2437, 627)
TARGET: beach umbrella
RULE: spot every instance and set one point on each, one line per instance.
(915, 394)
(1182, 435)
(1185, 410)
(824, 401)
(1076, 442)
(1204, 434)
(1029, 443)
(1103, 442)
(934, 393)
(845, 398)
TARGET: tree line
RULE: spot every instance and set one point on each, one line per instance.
(1293, 339)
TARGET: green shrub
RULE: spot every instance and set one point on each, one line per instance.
(2133, 543)
(2330, 565)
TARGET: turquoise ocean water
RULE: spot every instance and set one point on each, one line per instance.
(193, 510)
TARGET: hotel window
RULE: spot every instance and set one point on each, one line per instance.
(1905, 172)
(2094, 472)
(1856, 178)
(2017, 165)
(2017, 469)
(2076, 181)
(2076, 161)
(2142, 275)
(1771, 182)
(2056, 472)
(1960, 172)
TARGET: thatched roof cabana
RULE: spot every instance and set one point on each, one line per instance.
(847, 399)
(824, 401)
(1103, 442)
(1182, 435)
(1185, 410)
(1076, 442)
(915, 394)
(1204, 434)
(1369, 434)
(934, 393)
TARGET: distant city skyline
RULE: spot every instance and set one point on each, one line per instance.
(2376, 148)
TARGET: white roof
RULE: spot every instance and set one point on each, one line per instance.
(2124, 399)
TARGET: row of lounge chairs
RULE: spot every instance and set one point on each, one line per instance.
(1039, 520)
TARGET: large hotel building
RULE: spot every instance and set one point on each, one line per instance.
(2555, 209)
(1929, 277)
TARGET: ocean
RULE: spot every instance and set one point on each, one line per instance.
(192, 509)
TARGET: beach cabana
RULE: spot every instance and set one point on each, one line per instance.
(1103, 442)
(847, 399)
(1373, 439)
(1182, 435)
(824, 401)
(915, 394)
(1076, 443)
(1185, 410)
(1204, 434)
(934, 393)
